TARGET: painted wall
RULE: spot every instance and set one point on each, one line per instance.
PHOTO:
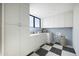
(0, 29)
(76, 28)
(65, 31)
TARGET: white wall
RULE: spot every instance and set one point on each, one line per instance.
(76, 28)
(0, 29)
(59, 20)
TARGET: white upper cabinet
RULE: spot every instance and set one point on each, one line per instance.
(68, 19)
(60, 20)
(55, 21)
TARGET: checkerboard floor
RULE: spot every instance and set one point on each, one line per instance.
(54, 50)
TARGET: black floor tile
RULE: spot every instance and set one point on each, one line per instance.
(50, 44)
(69, 49)
(41, 52)
(57, 43)
(56, 51)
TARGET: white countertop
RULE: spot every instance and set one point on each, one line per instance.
(37, 34)
(34, 34)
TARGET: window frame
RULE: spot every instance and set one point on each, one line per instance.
(34, 21)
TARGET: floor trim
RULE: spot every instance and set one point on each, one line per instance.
(30, 53)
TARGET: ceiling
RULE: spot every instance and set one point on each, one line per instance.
(43, 10)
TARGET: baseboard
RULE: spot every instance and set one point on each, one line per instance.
(42, 45)
(30, 53)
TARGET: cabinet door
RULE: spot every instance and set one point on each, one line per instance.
(59, 20)
(16, 29)
(11, 39)
(68, 19)
(11, 42)
(54, 21)
(24, 40)
(24, 29)
(12, 13)
(24, 14)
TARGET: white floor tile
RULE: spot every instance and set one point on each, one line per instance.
(69, 46)
(34, 54)
(58, 46)
(47, 47)
(66, 53)
(51, 54)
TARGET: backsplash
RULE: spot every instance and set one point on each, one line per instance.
(35, 30)
(67, 31)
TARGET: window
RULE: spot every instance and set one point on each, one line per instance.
(35, 22)
(31, 21)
